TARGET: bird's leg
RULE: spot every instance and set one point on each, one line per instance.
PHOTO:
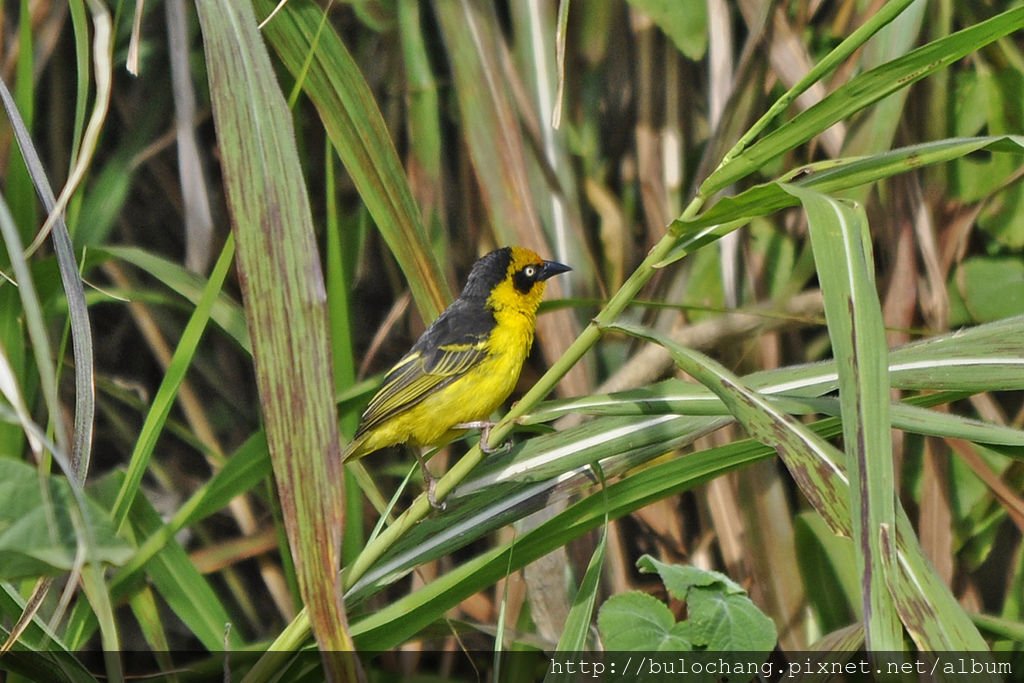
(485, 432)
(430, 481)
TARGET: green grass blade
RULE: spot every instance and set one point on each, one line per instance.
(862, 91)
(521, 482)
(826, 562)
(472, 33)
(676, 397)
(226, 312)
(18, 181)
(817, 466)
(340, 280)
(186, 591)
(819, 469)
(930, 612)
(873, 130)
(424, 105)
(392, 625)
(151, 623)
(356, 128)
(39, 654)
(843, 255)
(485, 108)
(78, 313)
(581, 614)
(102, 51)
(284, 293)
(843, 174)
(246, 467)
(153, 426)
(833, 59)
(35, 322)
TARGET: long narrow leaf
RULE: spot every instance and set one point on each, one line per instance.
(356, 128)
(843, 174)
(819, 469)
(152, 428)
(581, 614)
(78, 313)
(842, 252)
(283, 289)
(864, 90)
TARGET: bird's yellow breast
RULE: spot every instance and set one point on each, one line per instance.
(475, 396)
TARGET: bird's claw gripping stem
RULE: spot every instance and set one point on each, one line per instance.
(431, 483)
(485, 432)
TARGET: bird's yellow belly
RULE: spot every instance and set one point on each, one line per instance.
(470, 398)
(465, 401)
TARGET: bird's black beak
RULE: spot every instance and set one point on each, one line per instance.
(552, 268)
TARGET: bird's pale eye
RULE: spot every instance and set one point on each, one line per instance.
(530, 271)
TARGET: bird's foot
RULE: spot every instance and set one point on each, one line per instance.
(431, 483)
(485, 427)
(438, 505)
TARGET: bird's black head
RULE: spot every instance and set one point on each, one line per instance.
(524, 267)
(486, 273)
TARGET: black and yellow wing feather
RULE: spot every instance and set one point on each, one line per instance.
(452, 346)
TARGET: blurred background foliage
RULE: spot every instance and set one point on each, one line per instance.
(426, 134)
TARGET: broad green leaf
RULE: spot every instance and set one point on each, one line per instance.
(685, 22)
(990, 287)
(679, 579)
(638, 621)
(722, 621)
(1002, 216)
(720, 615)
(38, 534)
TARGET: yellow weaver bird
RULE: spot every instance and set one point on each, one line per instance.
(464, 365)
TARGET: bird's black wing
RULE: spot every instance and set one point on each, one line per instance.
(454, 344)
